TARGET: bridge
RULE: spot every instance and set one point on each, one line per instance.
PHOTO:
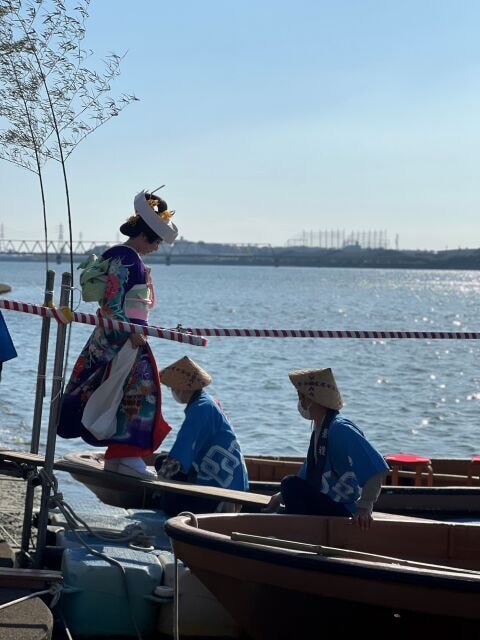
(55, 247)
(183, 251)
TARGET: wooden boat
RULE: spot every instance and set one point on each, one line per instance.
(449, 497)
(282, 576)
(122, 487)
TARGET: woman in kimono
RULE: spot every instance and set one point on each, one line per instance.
(126, 294)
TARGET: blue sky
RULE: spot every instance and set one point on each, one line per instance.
(266, 118)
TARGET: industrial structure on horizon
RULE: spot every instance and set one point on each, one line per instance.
(339, 239)
(326, 239)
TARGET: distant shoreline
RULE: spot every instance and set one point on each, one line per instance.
(192, 253)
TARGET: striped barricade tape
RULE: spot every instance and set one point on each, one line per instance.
(64, 315)
(327, 333)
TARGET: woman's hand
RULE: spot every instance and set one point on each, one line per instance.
(274, 504)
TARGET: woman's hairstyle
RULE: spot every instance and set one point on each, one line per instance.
(135, 225)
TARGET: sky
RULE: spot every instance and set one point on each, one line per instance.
(269, 118)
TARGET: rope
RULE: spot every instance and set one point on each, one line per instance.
(176, 628)
(72, 520)
(327, 333)
(55, 590)
(65, 315)
(132, 533)
(176, 586)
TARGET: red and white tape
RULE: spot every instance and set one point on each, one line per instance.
(312, 333)
(65, 316)
(196, 336)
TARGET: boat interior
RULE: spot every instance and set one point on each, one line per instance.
(271, 469)
(398, 538)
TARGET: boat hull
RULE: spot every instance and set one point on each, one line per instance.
(441, 501)
(282, 593)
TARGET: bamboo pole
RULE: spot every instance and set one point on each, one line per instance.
(323, 550)
(37, 415)
(52, 424)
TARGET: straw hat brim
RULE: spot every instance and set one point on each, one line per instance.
(319, 385)
(185, 375)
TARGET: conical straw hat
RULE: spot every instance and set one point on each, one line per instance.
(185, 375)
(319, 385)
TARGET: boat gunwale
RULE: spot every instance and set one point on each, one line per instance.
(94, 460)
(439, 502)
(179, 529)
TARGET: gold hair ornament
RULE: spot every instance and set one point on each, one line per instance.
(164, 215)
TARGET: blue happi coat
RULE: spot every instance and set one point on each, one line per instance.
(207, 445)
(350, 461)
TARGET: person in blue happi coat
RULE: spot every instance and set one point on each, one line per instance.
(206, 450)
(343, 473)
(7, 350)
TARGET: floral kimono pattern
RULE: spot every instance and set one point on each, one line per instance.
(127, 296)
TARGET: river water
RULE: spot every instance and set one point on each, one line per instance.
(419, 396)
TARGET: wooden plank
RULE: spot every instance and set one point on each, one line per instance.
(337, 552)
(22, 456)
(226, 495)
(28, 578)
(216, 493)
(396, 517)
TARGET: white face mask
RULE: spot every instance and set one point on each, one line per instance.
(177, 397)
(305, 413)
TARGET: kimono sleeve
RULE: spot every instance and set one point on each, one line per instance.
(125, 271)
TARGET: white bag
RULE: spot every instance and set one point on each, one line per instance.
(100, 412)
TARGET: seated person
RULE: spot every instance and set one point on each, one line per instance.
(206, 451)
(343, 473)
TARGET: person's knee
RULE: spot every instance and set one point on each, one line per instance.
(290, 483)
(292, 490)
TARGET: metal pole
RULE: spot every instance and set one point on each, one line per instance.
(37, 415)
(52, 423)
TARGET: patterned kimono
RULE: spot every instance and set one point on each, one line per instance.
(128, 295)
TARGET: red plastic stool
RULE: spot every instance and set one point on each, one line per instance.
(398, 461)
(474, 462)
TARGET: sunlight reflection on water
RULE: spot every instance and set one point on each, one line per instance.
(407, 395)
